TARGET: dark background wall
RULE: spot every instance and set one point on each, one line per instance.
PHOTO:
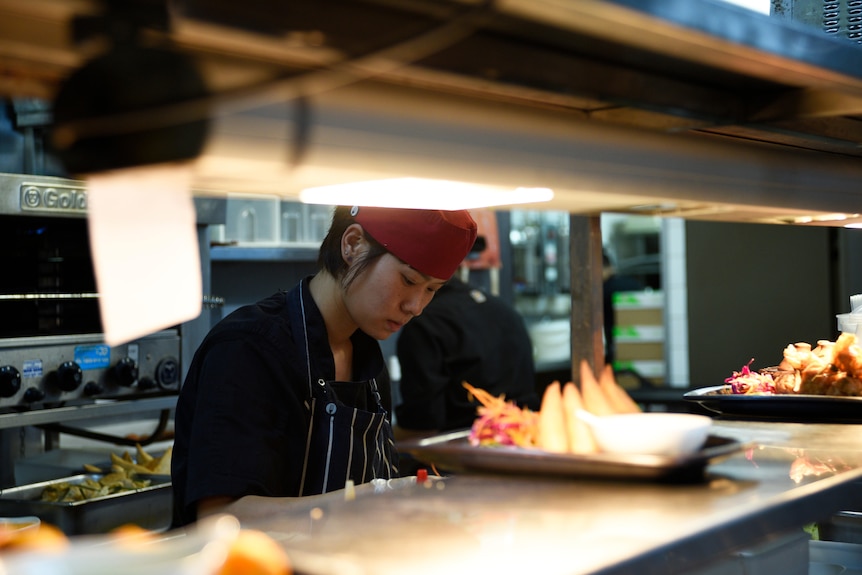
(753, 289)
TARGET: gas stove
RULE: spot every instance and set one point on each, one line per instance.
(66, 370)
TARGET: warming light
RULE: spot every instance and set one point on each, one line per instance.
(422, 193)
(823, 218)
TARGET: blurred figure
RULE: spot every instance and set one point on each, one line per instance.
(464, 334)
(612, 282)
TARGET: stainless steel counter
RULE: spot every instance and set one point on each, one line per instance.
(492, 523)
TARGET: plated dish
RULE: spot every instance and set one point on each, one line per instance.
(779, 407)
(452, 452)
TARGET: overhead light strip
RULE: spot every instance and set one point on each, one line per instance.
(422, 193)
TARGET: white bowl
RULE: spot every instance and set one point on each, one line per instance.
(649, 433)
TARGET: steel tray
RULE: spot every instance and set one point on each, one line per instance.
(149, 507)
(453, 452)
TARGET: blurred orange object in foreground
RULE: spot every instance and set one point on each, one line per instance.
(254, 552)
(44, 538)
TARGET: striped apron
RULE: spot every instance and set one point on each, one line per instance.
(345, 442)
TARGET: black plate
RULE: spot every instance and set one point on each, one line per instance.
(780, 407)
(453, 452)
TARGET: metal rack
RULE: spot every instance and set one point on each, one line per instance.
(105, 408)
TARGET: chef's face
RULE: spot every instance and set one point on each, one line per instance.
(388, 295)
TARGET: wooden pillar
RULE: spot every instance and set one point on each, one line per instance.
(585, 249)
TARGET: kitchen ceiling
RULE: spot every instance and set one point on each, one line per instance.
(695, 108)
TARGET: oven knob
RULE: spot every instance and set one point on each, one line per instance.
(69, 376)
(126, 372)
(93, 388)
(168, 372)
(10, 381)
(146, 384)
(33, 394)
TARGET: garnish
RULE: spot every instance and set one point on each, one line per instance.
(747, 382)
(501, 422)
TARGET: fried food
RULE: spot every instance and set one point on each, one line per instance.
(595, 399)
(580, 436)
(124, 475)
(555, 427)
(553, 435)
(829, 368)
(620, 401)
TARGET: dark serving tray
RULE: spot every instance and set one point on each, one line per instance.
(149, 507)
(453, 452)
(780, 407)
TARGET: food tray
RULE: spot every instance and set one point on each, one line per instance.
(148, 507)
(59, 463)
(779, 407)
(453, 452)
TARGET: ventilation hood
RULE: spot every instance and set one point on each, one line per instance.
(691, 108)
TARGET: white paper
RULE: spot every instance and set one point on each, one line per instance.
(145, 250)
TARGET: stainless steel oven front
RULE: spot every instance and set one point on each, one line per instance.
(52, 352)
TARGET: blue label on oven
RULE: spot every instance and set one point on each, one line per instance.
(32, 368)
(93, 356)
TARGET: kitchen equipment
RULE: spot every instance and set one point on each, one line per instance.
(794, 407)
(51, 349)
(453, 452)
(55, 367)
(148, 507)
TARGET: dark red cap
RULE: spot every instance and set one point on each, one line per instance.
(434, 242)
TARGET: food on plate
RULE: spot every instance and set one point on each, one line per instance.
(746, 381)
(595, 398)
(830, 368)
(554, 428)
(620, 401)
(580, 437)
(553, 435)
(501, 422)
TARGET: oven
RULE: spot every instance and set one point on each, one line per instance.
(58, 377)
(51, 350)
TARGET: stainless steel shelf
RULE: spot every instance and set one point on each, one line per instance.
(279, 253)
(102, 408)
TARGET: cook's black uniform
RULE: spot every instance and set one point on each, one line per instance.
(463, 334)
(260, 413)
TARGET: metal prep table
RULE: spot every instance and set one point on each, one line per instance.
(494, 523)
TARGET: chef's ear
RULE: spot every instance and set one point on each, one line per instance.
(351, 242)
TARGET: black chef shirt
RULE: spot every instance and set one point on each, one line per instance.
(242, 418)
(463, 334)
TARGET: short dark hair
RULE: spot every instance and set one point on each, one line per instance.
(329, 256)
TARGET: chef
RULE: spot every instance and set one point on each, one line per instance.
(290, 396)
